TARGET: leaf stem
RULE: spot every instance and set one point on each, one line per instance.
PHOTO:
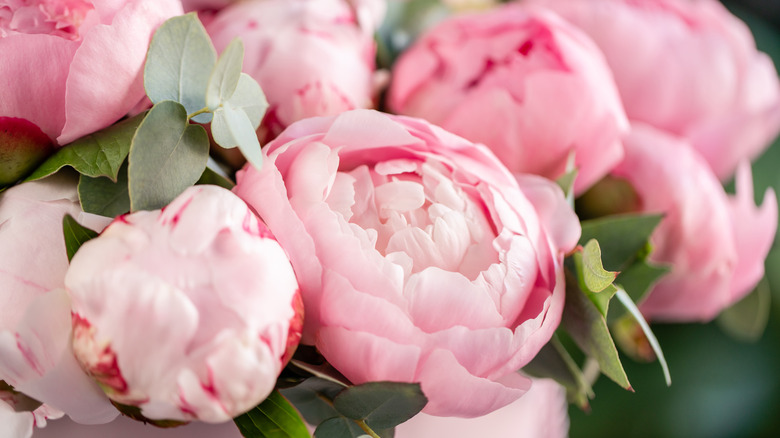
(200, 111)
(367, 429)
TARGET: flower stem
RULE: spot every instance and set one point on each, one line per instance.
(367, 429)
(200, 111)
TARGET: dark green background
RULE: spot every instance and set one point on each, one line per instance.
(721, 387)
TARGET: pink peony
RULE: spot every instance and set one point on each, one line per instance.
(716, 244)
(312, 58)
(540, 413)
(87, 58)
(420, 257)
(124, 427)
(522, 81)
(688, 67)
(211, 299)
(35, 354)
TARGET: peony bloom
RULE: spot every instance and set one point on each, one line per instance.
(35, 354)
(540, 413)
(87, 58)
(522, 81)
(716, 244)
(212, 301)
(312, 58)
(688, 67)
(19, 414)
(420, 257)
(124, 427)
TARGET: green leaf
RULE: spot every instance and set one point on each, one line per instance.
(382, 405)
(99, 154)
(637, 280)
(104, 197)
(179, 63)
(223, 80)
(566, 183)
(747, 319)
(621, 237)
(593, 277)
(625, 300)
(167, 155)
(249, 97)
(339, 427)
(313, 399)
(75, 235)
(232, 127)
(273, 418)
(553, 361)
(586, 325)
(211, 177)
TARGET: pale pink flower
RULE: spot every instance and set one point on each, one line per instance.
(189, 312)
(522, 81)
(312, 57)
(72, 67)
(420, 257)
(688, 67)
(35, 353)
(715, 244)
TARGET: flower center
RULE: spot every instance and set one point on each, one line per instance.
(53, 17)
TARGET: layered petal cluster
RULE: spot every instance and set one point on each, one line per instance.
(688, 67)
(87, 58)
(420, 257)
(714, 243)
(522, 81)
(186, 313)
(35, 353)
(312, 58)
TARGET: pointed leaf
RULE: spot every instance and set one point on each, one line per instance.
(211, 177)
(104, 197)
(382, 405)
(339, 427)
(75, 235)
(273, 418)
(624, 299)
(225, 75)
(621, 237)
(586, 325)
(637, 280)
(179, 63)
(232, 127)
(167, 156)
(747, 319)
(553, 361)
(99, 154)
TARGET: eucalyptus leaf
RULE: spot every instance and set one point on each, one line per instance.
(621, 237)
(104, 197)
(587, 326)
(313, 399)
(273, 418)
(99, 154)
(553, 361)
(231, 127)
(211, 177)
(179, 63)
(382, 405)
(591, 274)
(339, 427)
(747, 319)
(224, 77)
(249, 97)
(75, 235)
(167, 155)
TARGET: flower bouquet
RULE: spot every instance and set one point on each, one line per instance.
(349, 218)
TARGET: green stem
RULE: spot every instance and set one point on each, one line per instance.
(200, 111)
(367, 429)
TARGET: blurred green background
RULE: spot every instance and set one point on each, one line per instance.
(721, 387)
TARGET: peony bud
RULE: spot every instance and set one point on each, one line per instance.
(185, 313)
